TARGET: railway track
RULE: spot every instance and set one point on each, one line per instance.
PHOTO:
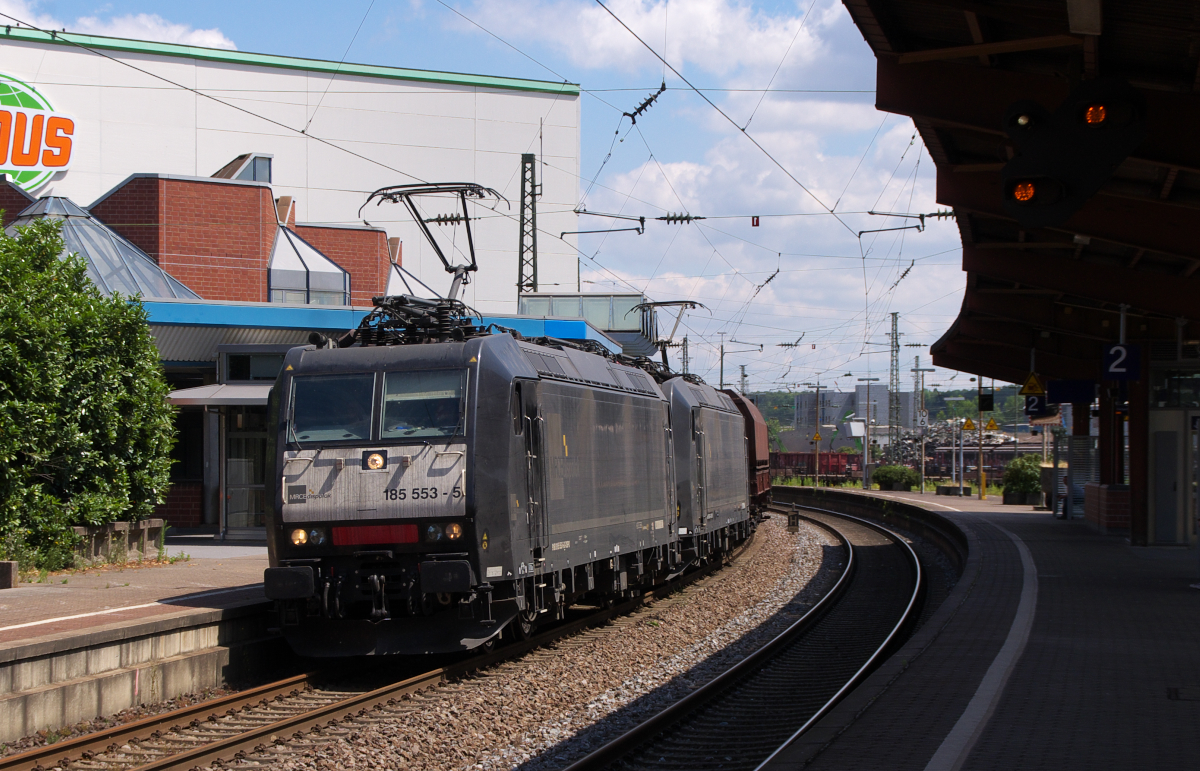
(260, 725)
(742, 718)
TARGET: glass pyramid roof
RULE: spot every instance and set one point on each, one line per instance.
(113, 264)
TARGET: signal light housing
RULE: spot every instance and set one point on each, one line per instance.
(1033, 191)
(1063, 158)
(1095, 114)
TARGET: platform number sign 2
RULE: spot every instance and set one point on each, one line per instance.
(1035, 405)
(1122, 362)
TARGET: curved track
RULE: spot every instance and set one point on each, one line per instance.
(742, 718)
(245, 725)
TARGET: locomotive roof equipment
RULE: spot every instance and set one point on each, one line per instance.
(459, 192)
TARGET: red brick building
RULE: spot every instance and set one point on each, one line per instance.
(237, 246)
(217, 235)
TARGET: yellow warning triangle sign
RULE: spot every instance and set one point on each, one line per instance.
(817, 437)
(991, 425)
(969, 425)
(1033, 386)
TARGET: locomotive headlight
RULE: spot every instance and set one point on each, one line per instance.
(453, 531)
(433, 533)
(375, 461)
(316, 537)
(299, 536)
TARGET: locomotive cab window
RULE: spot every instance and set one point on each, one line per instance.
(332, 408)
(421, 404)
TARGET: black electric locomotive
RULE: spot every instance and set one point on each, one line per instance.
(434, 484)
(426, 497)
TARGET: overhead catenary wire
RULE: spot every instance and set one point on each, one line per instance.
(725, 115)
(339, 67)
(862, 158)
(778, 67)
(373, 161)
(65, 37)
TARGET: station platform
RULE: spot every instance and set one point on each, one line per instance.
(1058, 648)
(77, 646)
(218, 575)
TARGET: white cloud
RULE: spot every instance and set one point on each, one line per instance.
(715, 36)
(824, 282)
(151, 26)
(141, 26)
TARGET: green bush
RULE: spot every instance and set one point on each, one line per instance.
(886, 476)
(85, 430)
(1023, 474)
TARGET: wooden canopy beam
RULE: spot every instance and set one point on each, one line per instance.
(971, 96)
(991, 49)
(1106, 283)
(1142, 223)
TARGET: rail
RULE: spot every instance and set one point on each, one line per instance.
(125, 745)
(748, 707)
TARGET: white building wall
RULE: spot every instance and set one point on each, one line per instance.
(376, 131)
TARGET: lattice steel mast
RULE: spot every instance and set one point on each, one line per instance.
(894, 392)
(527, 280)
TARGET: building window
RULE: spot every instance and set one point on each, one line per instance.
(612, 313)
(1173, 388)
(300, 275)
(187, 455)
(534, 306)
(253, 366)
(251, 167)
(257, 169)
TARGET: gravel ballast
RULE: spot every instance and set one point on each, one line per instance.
(557, 704)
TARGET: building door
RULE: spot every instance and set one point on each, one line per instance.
(245, 470)
(1193, 487)
(1166, 486)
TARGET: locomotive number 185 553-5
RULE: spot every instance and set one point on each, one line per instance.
(420, 493)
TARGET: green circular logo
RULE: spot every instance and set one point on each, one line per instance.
(14, 93)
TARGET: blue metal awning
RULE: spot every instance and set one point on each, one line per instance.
(213, 315)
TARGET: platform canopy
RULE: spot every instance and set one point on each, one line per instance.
(222, 395)
(955, 68)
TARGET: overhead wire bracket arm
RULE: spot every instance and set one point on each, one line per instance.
(941, 214)
(640, 220)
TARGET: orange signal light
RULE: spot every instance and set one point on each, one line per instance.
(1023, 191)
(1095, 114)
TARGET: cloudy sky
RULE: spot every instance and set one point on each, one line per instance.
(791, 135)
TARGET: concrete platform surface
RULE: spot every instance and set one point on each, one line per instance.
(208, 547)
(1058, 649)
(64, 604)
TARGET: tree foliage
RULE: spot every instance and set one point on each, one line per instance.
(774, 435)
(1024, 474)
(85, 430)
(886, 476)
